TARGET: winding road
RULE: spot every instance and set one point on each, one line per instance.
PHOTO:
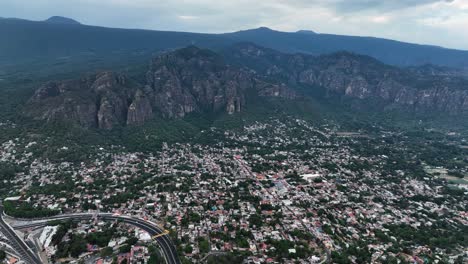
(18, 244)
(168, 248)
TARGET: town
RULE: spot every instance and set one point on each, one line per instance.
(279, 191)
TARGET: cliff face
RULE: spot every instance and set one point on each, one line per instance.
(191, 80)
(140, 110)
(194, 80)
(360, 77)
(99, 101)
(178, 83)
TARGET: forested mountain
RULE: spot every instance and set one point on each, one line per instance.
(194, 80)
(62, 38)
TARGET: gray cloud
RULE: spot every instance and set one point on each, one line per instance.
(380, 5)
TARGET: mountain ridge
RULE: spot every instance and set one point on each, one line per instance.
(351, 75)
(193, 80)
(59, 40)
(178, 83)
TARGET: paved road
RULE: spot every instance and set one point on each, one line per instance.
(5, 245)
(27, 255)
(169, 250)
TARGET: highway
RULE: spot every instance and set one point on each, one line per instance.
(168, 248)
(18, 244)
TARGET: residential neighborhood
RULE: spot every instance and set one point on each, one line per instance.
(271, 193)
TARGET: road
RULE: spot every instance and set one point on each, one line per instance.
(5, 246)
(168, 248)
(18, 244)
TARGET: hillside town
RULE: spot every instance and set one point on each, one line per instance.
(279, 191)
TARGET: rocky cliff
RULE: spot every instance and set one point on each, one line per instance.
(360, 77)
(99, 100)
(178, 83)
(194, 80)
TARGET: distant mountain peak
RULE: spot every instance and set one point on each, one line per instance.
(265, 28)
(306, 32)
(62, 20)
(259, 30)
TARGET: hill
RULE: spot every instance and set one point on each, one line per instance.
(62, 20)
(29, 40)
(388, 51)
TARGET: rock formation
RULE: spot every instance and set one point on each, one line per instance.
(193, 80)
(360, 77)
(178, 83)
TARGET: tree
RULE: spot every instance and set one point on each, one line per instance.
(27, 210)
(101, 238)
(2, 255)
(125, 248)
(459, 260)
(226, 259)
(204, 245)
(106, 252)
(256, 220)
(61, 232)
(188, 249)
(77, 245)
(155, 256)
(131, 241)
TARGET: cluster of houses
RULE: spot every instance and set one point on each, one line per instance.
(269, 183)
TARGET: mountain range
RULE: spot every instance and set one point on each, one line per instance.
(195, 80)
(217, 74)
(60, 37)
(177, 83)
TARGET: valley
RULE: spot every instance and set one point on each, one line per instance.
(256, 146)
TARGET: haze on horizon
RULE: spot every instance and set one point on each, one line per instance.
(434, 22)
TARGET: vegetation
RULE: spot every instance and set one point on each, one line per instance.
(106, 252)
(204, 245)
(434, 236)
(155, 255)
(7, 173)
(228, 258)
(26, 210)
(282, 249)
(74, 247)
(101, 238)
(61, 232)
(2, 255)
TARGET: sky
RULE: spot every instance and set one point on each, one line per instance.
(436, 22)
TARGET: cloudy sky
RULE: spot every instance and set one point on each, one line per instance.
(437, 22)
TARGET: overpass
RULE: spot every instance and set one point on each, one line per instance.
(160, 236)
(16, 243)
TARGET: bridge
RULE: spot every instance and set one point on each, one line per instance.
(157, 233)
(17, 244)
